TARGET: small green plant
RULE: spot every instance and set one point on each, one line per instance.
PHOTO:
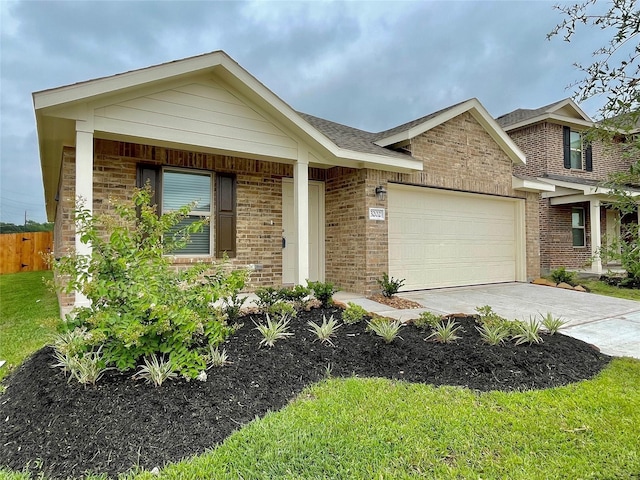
(528, 332)
(282, 309)
(561, 275)
(325, 330)
(323, 291)
(386, 328)
(217, 357)
(72, 342)
(445, 332)
(390, 286)
(233, 307)
(86, 368)
(485, 311)
(272, 331)
(552, 324)
(297, 295)
(428, 319)
(353, 313)
(493, 334)
(156, 371)
(267, 297)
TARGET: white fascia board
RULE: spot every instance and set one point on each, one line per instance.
(232, 72)
(93, 88)
(271, 100)
(380, 162)
(427, 125)
(528, 185)
(571, 122)
(586, 190)
(498, 135)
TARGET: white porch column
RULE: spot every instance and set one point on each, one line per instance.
(84, 184)
(301, 215)
(596, 241)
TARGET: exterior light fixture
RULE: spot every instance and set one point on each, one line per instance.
(381, 193)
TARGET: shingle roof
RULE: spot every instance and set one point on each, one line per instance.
(584, 181)
(409, 125)
(362, 141)
(350, 138)
(524, 114)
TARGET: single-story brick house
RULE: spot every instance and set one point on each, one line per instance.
(433, 201)
(575, 218)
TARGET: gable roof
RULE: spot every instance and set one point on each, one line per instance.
(474, 107)
(563, 111)
(88, 104)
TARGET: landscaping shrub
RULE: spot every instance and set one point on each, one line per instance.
(353, 313)
(390, 285)
(560, 275)
(323, 291)
(140, 304)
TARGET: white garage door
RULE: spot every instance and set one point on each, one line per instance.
(439, 238)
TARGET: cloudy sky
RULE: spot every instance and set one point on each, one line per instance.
(370, 65)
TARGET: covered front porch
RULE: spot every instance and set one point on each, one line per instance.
(594, 222)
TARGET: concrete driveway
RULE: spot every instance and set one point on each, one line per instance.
(612, 324)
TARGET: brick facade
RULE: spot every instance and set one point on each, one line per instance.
(259, 199)
(457, 155)
(542, 144)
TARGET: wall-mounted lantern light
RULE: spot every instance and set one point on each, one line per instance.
(381, 193)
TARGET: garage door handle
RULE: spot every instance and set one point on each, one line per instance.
(284, 242)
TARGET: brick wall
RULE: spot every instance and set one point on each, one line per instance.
(345, 228)
(259, 199)
(542, 144)
(458, 155)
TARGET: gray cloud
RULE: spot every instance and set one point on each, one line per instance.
(371, 65)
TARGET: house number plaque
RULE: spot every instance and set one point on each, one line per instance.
(376, 214)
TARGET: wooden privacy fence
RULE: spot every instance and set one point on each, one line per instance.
(22, 252)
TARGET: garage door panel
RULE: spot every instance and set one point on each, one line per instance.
(439, 238)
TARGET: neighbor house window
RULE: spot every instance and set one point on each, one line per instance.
(576, 150)
(577, 154)
(180, 188)
(577, 227)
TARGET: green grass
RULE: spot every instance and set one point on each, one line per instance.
(28, 315)
(375, 428)
(602, 288)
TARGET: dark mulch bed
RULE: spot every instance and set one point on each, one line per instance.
(64, 429)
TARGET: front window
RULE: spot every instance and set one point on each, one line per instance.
(576, 150)
(180, 188)
(577, 227)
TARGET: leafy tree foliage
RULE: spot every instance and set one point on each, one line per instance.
(615, 70)
(30, 226)
(615, 75)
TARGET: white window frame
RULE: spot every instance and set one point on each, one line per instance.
(578, 150)
(579, 227)
(194, 213)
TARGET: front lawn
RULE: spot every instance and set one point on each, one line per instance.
(351, 427)
(377, 428)
(602, 288)
(28, 316)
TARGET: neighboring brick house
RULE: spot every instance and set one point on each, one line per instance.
(575, 215)
(293, 196)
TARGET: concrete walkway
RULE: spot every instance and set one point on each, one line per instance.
(612, 324)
